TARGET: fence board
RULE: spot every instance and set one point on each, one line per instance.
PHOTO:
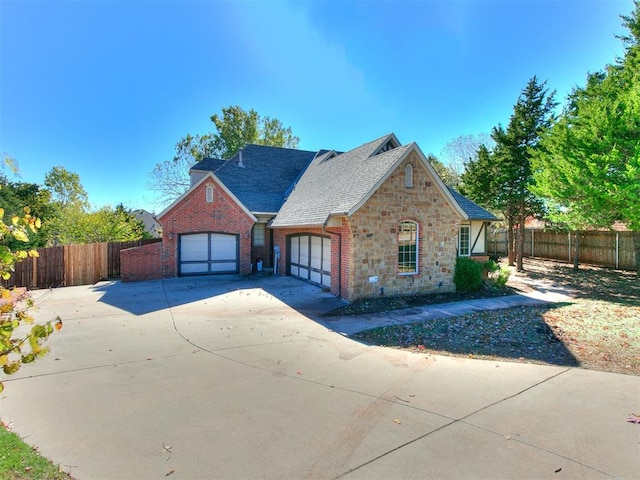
(607, 249)
(71, 265)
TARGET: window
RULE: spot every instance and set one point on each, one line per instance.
(258, 234)
(209, 194)
(464, 243)
(408, 176)
(407, 248)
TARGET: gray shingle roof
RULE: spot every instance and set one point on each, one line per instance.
(306, 188)
(473, 210)
(334, 185)
(209, 164)
(266, 174)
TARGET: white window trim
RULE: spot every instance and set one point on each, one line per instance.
(460, 254)
(416, 271)
(208, 193)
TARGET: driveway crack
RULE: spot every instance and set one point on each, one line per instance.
(464, 421)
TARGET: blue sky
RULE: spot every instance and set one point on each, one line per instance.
(107, 88)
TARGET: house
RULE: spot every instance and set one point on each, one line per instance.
(151, 225)
(375, 219)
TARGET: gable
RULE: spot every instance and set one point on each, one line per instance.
(340, 185)
(187, 197)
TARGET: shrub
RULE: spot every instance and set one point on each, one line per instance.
(468, 275)
(501, 277)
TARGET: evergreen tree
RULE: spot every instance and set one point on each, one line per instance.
(589, 166)
(502, 179)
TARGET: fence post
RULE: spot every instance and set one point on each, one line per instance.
(569, 237)
(533, 232)
(617, 250)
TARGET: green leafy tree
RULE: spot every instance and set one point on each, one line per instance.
(235, 128)
(448, 175)
(14, 196)
(589, 166)
(73, 222)
(108, 225)
(69, 201)
(508, 166)
(65, 188)
(17, 345)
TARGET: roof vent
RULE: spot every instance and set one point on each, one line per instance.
(240, 164)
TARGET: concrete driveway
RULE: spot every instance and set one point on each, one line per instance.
(239, 378)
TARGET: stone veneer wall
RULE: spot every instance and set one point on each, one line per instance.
(194, 215)
(374, 238)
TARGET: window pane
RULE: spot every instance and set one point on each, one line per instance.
(408, 247)
(258, 234)
(464, 240)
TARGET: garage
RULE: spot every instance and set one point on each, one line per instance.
(310, 258)
(208, 253)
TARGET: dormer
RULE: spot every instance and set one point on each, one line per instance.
(389, 144)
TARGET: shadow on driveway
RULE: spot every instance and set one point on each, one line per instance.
(516, 333)
(140, 298)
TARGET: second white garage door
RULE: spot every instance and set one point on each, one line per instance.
(208, 253)
(310, 258)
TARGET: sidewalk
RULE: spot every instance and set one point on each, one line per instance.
(350, 325)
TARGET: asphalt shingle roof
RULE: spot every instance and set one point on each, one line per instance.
(473, 210)
(336, 184)
(267, 172)
(209, 164)
(306, 188)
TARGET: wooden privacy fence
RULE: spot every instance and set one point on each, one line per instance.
(607, 249)
(70, 265)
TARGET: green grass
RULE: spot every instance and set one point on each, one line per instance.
(19, 461)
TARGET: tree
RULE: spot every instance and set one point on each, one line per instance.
(448, 175)
(17, 346)
(589, 166)
(14, 196)
(171, 177)
(461, 150)
(65, 188)
(508, 166)
(108, 225)
(235, 129)
(71, 220)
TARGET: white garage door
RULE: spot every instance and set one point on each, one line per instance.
(310, 259)
(202, 253)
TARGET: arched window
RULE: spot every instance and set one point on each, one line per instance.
(408, 175)
(407, 248)
(209, 193)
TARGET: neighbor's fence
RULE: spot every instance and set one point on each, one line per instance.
(607, 249)
(69, 265)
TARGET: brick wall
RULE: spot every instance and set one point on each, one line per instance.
(141, 263)
(194, 215)
(374, 243)
(280, 238)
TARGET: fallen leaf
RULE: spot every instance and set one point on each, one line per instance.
(170, 472)
(397, 420)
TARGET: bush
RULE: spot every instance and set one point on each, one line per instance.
(501, 277)
(468, 275)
